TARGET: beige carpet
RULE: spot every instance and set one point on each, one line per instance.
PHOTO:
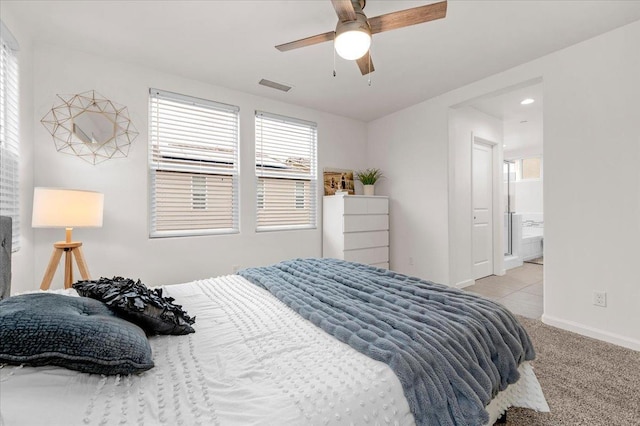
(585, 381)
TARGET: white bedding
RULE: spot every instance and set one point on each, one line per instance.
(252, 360)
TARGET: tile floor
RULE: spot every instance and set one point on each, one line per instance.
(520, 290)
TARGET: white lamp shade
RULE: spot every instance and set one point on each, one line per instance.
(352, 45)
(66, 208)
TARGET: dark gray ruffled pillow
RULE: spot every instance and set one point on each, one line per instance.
(72, 332)
(133, 301)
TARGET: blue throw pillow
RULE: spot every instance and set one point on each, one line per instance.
(73, 332)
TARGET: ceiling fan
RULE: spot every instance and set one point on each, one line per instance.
(354, 30)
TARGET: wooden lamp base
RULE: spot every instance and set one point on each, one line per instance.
(69, 248)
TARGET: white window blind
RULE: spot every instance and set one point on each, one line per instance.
(193, 161)
(286, 167)
(9, 139)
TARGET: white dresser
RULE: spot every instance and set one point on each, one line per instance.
(356, 228)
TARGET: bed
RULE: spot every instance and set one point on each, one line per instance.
(252, 360)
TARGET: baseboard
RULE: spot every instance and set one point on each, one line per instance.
(595, 333)
(465, 283)
(511, 262)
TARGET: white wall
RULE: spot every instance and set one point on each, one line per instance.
(121, 246)
(592, 185)
(22, 260)
(591, 181)
(404, 146)
(528, 196)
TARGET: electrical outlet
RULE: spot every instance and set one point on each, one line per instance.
(236, 268)
(411, 261)
(600, 298)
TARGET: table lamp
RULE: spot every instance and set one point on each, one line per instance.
(66, 208)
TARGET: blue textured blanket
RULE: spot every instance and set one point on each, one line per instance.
(451, 350)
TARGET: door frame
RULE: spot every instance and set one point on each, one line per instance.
(496, 158)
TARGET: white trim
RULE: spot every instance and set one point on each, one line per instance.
(166, 158)
(279, 140)
(192, 233)
(10, 161)
(284, 228)
(286, 119)
(465, 283)
(192, 100)
(512, 261)
(595, 333)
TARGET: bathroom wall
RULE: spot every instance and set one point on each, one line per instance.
(529, 196)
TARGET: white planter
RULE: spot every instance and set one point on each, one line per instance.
(369, 189)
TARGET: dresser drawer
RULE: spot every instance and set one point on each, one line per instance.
(366, 205)
(365, 222)
(368, 255)
(358, 240)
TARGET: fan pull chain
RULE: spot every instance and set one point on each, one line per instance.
(334, 57)
(369, 74)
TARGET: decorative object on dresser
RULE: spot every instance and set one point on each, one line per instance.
(5, 256)
(368, 178)
(338, 180)
(90, 126)
(356, 228)
(66, 208)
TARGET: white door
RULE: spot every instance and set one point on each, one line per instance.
(482, 173)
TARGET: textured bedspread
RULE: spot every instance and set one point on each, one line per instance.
(251, 361)
(452, 351)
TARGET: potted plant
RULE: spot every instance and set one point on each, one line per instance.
(369, 177)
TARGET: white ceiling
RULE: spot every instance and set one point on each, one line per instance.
(522, 124)
(231, 43)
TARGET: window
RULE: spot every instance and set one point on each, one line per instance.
(285, 172)
(9, 142)
(199, 192)
(529, 168)
(193, 161)
(300, 190)
(260, 194)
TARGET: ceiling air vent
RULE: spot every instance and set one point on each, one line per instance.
(274, 85)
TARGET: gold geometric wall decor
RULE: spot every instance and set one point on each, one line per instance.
(90, 126)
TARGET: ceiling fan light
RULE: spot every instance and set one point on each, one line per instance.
(353, 40)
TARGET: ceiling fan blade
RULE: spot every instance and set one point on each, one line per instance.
(344, 10)
(404, 18)
(320, 38)
(363, 64)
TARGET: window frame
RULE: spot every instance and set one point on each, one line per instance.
(520, 168)
(263, 173)
(184, 165)
(10, 132)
